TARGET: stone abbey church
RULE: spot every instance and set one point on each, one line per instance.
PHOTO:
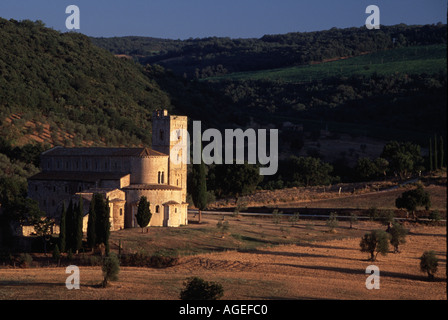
(122, 175)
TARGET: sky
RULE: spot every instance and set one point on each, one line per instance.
(183, 19)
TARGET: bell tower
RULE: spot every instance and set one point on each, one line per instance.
(167, 130)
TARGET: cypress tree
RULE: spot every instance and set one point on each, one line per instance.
(442, 154)
(102, 223)
(199, 193)
(69, 242)
(143, 213)
(431, 167)
(107, 227)
(91, 230)
(435, 154)
(62, 229)
(78, 226)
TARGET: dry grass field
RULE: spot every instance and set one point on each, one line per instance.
(306, 262)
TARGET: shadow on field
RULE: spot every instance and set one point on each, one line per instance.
(288, 299)
(362, 272)
(20, 283)
(300, 255)
(411, 233)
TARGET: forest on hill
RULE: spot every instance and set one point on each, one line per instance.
(63, 81)
(387, 83)
(202, 58)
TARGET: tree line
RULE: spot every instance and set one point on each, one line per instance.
(198, 58)
(205, 183)
(98, 225)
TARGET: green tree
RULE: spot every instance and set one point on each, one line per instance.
(436, 163)
(431, 156)
(102, 223)
(42, 227)
(397, 235)
(353, 219)
(412, 199)
(143, 213)
(70, 227)
(196, 288)
(429, 263)
(79, 214)
(387, 217)
(57, 254)
(377, 241)
(91, 224)
(308, 171)
(235, 180)
(110, 268)
(62, 229)
(403, 157)
(199, 186)
(366, 169)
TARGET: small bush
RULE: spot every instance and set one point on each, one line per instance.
(353, 219)
(199, 289)
(434, 216)
(294, 218)
(56, 253)
(373, 213)
(276, 216)
(332, 221)
(24, 260)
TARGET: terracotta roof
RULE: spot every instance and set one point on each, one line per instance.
(99, 190)
(78, 176)
(170, 202)
(151, 187)
(106, 152)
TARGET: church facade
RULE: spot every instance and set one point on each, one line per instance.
(122, 175)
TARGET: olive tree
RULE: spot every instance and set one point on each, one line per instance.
(429, 263)
(377, 241)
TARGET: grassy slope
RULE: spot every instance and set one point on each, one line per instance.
(418, 59)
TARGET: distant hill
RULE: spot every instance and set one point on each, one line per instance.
(59, 88)
(386, 84)
(202, 58)
(427, 59)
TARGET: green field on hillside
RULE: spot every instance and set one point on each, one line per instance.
(411, 60)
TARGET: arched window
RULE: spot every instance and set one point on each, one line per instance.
(163, 177)
(159, 177)
(157, 209)
(161, 134)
